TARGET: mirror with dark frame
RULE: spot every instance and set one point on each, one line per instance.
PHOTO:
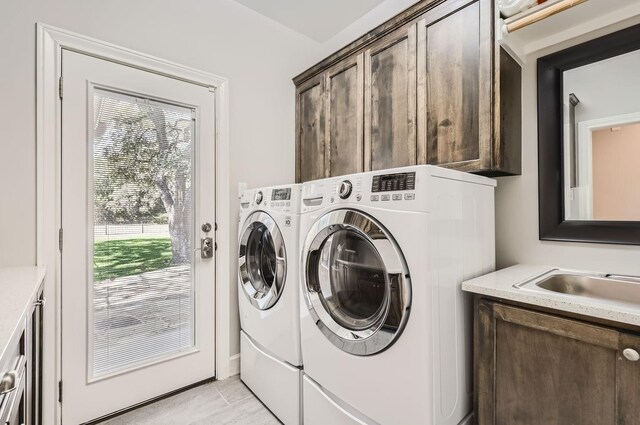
(589, 141)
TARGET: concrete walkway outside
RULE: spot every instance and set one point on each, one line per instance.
(142, 317)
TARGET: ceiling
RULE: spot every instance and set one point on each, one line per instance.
(317, 19)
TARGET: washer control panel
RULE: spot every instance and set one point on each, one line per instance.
(280, 198)
(344, 189)
(283, 194)
(393, 182)
(284, 199)
(258, 198)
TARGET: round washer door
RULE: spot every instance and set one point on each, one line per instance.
(262, 260)
(357, 284)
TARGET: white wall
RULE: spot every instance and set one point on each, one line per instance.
(257, 55)
(517, 203)
(373, 18)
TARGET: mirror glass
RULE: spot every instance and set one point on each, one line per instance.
(602, 140)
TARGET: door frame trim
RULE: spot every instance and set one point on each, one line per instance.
(50, 43)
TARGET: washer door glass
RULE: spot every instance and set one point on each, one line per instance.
(351, 277)
(262, 260)
(357, 284)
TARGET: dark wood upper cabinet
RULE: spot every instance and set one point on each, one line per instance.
(311, 159)
(537, 368)
(454, 87)
(344, 116)
(390, 101)
(437, 89)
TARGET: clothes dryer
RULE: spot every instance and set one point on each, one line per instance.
(386, 329)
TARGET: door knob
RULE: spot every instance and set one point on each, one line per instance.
(206, 247)
(631, 354)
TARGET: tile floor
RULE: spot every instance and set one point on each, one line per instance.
(221, 402)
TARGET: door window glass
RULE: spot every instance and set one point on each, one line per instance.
(142, 227)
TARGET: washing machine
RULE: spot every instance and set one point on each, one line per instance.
(385, 327)
(269, 298)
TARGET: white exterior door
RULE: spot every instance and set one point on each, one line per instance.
(137, 192)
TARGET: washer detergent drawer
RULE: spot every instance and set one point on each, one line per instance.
(321, 409)
(275, 383)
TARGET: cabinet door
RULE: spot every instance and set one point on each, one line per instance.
(454, 85)
(311, 160)
(390, 100)
(628, 380)
(535, 368)
(34, 364)
(344, 116)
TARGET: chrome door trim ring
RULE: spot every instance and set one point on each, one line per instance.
(378, 337)
(262, 300)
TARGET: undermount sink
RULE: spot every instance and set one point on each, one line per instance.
(618, 289)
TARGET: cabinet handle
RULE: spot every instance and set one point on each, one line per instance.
(8, 382)
(631, 354)
(40, 303)
(16, 397)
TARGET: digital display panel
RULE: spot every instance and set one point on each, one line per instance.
(281, 194)
(393, 182)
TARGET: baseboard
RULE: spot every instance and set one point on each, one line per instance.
(234, 365)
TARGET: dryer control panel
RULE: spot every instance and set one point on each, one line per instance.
(397, 189)
(402, 189)
(393, 182)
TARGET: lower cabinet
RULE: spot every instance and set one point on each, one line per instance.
(34, 363)
(13, 410)
(538, 368)
(22, 374)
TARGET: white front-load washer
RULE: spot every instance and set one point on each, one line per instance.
(268, 298)
(386, 329)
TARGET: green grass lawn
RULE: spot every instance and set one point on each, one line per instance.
(126, 257)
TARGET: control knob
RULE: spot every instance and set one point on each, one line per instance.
(345, 188)
(258, 198)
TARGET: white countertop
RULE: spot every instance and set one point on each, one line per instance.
(18, 289)
(500, 284)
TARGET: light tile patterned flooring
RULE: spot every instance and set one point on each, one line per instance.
(221, 402)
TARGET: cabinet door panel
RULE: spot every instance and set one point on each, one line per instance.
(537, 368)
(390, 101)
(628, 383)
(344, 116)
(539, 373)
(310, 144)
(454, 93)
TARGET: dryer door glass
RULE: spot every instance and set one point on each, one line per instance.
(352, 283)
(357, 285)
(262, 260)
